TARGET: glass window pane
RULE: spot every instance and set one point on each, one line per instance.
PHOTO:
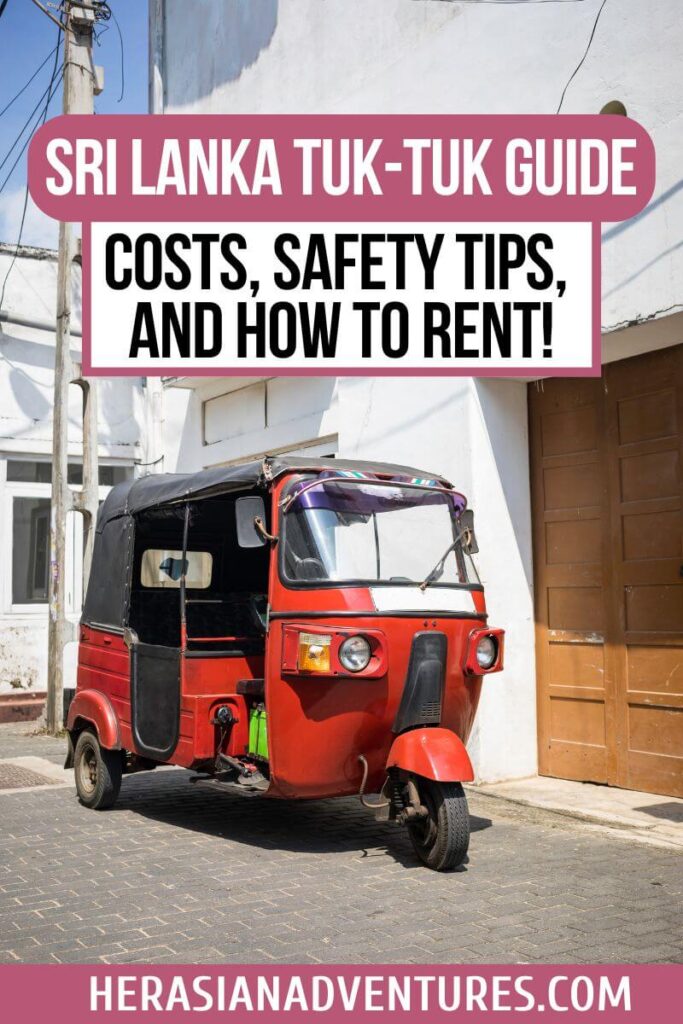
(111, 475)
(27, 472)
(30, 550)
(24, 471)
(364, 532)
(163, 568)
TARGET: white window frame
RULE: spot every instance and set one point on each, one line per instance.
(9, 490)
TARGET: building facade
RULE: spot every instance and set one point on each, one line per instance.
(27, 349)
(576, 485)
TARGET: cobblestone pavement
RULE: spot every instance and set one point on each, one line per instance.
(180, 873)
(20, 739)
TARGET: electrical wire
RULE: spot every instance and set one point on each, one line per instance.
(585, 54)
(41, 119)
(25, 206)
(105, 13)
(60, 25)
(27, 124)
(26, 85)
(154, 462)
(123, 73)
(52, 89)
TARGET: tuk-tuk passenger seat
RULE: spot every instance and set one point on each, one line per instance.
(225, 615)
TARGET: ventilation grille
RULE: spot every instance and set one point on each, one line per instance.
(423, 690)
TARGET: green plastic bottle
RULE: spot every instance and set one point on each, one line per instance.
(258, 732)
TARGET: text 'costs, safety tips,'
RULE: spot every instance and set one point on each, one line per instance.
(334, 297)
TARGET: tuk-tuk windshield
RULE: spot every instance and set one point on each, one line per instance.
(363, 532)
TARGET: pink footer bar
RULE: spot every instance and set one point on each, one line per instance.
(64, 994)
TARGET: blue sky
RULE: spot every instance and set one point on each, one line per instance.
(26, 38)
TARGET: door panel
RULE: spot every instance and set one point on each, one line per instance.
(644, 404)
(155, 699)
(569, 500)
(608, 526)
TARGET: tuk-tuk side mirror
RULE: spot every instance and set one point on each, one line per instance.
(469, 541)
(247, 510)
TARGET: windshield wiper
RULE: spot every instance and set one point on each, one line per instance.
(437, 572)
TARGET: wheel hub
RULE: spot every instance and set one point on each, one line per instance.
(88, 770)
(425, 828)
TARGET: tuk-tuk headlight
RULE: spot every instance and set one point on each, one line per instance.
(354, 653)
(314, 652)
(487, 652)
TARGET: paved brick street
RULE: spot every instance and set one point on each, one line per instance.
(178, 873)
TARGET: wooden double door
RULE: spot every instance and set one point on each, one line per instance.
(607, 499)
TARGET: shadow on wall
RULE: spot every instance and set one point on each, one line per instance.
(29, 396)
(26, 363)
(237, 32)
(120, 422)
(28, 367)
(618, 229)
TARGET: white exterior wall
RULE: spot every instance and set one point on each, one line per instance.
(436, 56)
(26, 401)
(475, 433)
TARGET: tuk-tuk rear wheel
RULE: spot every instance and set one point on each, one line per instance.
(441, 840)
(97, 772)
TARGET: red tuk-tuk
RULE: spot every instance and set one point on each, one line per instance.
(292, 628)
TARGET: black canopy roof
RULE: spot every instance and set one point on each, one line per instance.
(108, 595)
(149, 492)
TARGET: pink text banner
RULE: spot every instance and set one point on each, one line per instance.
(355, 245)
(610, 993)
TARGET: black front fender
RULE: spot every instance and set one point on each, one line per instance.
(69, 763)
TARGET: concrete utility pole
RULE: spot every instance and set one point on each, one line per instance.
(80, 87)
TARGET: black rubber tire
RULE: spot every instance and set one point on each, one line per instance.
(442, 840)
(97, 772)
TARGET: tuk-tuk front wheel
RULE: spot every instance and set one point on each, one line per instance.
(441, 838)
(97, 772)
